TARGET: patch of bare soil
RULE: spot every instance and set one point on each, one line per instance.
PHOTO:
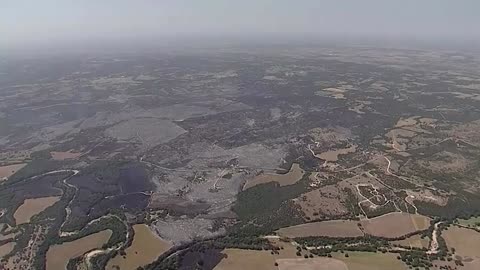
(32, 207)
(290, 178)
(145, 248)
(311, 264)
(465, 241)
(65, 155)
(331, 228)
(6, 248)
(59, 255)
(9, 170)
(240, 259)
(332, 155)
(395, 225)
(413, 242)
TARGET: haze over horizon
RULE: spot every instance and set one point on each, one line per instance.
(49, 22)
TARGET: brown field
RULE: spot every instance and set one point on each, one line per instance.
(389, 226)
(332, 228)
(311, 264)
(333, 154)
(32, 207)
(371, 261)
(9, 170)
(6, 248)
(241, 259)
(465, 241)
(414, 241)
(290, 178)
(59, 255)
(145, 248)
(65, 155)
(394, 225)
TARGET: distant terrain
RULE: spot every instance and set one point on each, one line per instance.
(241, 158)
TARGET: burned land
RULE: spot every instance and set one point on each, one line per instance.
(213, 155)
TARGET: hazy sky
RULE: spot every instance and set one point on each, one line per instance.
(49, 21)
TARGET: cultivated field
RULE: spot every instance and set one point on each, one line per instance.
(240, 259)
(371, 261)
(465, 241)
(333, 154)
(333, 228)
(64, 155)
(9, 170)
(6, 248)
(290, 178)
(414, 241)
(389, 226)
(311, 264)
(145, 248)
(59, 255)
(395, 224)
(31, 207)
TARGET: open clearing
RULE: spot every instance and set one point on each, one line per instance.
(59, 255)
(32, 207)
(311, 264)
(396, 224)
(389, 226)
(290, 178)
(333, 228)
(333, 154)
(370, 261)
(9, 170)
(7, 248)
(465, 241)
(64, 155)
(145, 248)
(240, 259)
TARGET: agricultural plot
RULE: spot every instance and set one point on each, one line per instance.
(31, 207)
(58, 256)
(145, 248)
(291, 177)
(9, 170)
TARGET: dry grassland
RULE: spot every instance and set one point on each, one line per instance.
(465, 241)
(371, 261)
(240, 259)
(311, 264)
(64, 155)
(394, 225)
(59, 255)
(145, 248)
(332, 228)
(32, 207)
(9, 170)
(290, 178)
(6, 248)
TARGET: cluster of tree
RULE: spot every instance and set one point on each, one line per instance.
(268, 207)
